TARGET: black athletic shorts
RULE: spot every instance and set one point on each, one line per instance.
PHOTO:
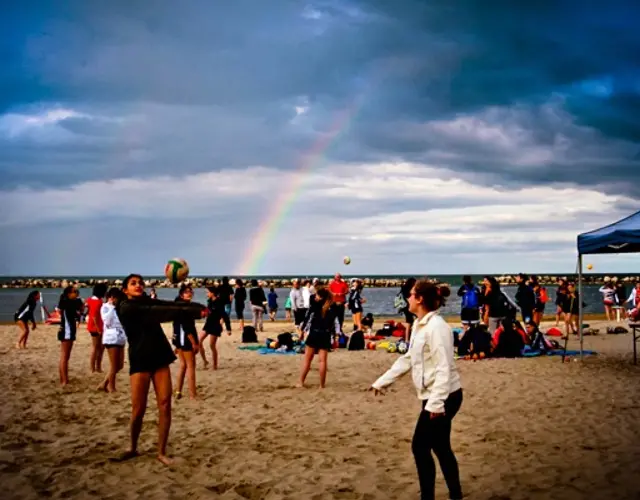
(319, 339)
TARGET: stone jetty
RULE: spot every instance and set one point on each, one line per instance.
(199, 282)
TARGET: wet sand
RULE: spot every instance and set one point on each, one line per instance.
(528, 428)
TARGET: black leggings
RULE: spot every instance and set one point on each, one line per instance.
(436, 435)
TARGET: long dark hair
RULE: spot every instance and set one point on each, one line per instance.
(326, 297)
(31, 298)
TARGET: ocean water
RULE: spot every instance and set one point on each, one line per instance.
(379, 300)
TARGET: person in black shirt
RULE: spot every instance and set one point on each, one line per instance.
(212, 326)
(70, 310)
(185, 340)
(225, 296)
(239, 298)
(150, 355)
(321, 321)
(258, 301)
(525, 298)
(24, 316)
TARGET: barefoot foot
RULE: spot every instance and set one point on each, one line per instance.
(165, 460)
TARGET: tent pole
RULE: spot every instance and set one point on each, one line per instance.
(580, 311)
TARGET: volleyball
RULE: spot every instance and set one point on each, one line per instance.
(589, 267)
(176, 270)
(347, 260)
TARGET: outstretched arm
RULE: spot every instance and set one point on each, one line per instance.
(162, 311)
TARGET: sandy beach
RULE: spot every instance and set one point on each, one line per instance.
(528, 428)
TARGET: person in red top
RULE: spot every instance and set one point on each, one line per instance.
(95, 326)
(339, 289)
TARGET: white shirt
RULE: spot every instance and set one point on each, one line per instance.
(306, 295)
(431, 362)
(113, 333)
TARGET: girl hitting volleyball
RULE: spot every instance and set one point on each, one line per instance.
(113, 338)
(150, 356)
(185, 339)
(25, 315)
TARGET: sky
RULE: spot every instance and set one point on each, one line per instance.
(277, 137)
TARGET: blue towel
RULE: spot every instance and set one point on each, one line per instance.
(266, 350)
(557, 352)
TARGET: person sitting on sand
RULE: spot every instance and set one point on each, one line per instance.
(150, 356)
(113, 338)
(430, 359)
(213, 325)
(322, 323)
(508, 340)
(70, 310)
(185, 340)
(538, 341)
(25, 315)
(476, 340)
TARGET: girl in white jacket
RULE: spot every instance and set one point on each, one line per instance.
(113, 338)
(430, 359)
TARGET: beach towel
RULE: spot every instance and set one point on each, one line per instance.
(557, 352)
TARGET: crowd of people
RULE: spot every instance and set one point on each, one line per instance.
(116, 317)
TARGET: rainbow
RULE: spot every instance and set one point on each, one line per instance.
(270, 226)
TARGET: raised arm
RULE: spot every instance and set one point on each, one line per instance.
(162, 311)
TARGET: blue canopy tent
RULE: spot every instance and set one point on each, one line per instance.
(620, 237)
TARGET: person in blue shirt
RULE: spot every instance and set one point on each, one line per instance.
(272, 303)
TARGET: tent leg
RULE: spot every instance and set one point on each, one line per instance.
(580, 311)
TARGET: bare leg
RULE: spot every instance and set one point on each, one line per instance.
(323, 367)
(181, 372)
(558, 313)
(94, 353)
(203, 335)
(63, 367)
(309, 353)
(190, 361)
(99, 353)
(357, 319)
(24, 334)
(140, 383)
(109, 382)
(162, 385)
(213, 344)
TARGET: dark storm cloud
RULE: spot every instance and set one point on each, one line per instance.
(186, 89)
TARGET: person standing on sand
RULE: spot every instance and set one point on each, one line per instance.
(185, 340)
(94, 326)
(70, 310)
(150, 356)
(430, 360)
(25, 315)
(339, 288)
(239, 297)
(113, 338)
(297, 306)
(321, 322)
(212, 326)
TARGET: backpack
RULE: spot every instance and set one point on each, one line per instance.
(249, 335)
(399, 302)
(470, 299)
(356, 341)
(508, 307)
